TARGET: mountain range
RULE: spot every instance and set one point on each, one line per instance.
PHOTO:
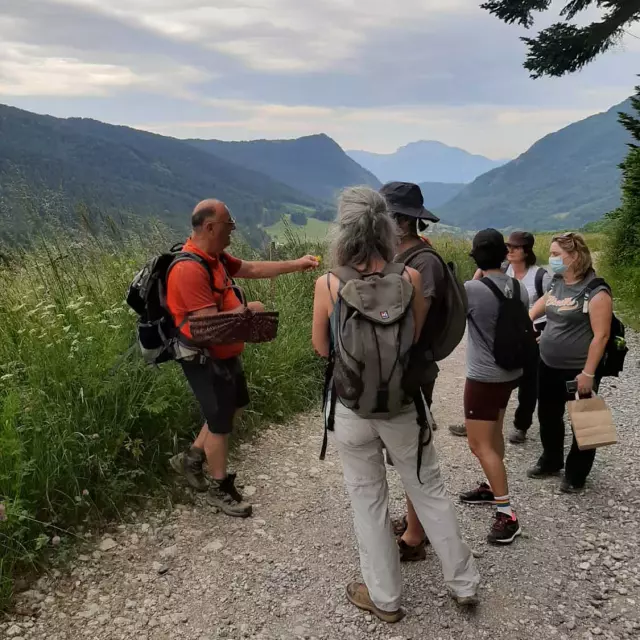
(119, 169)
(315, 165)
(565, 180)
(116, 168)
(424, 161)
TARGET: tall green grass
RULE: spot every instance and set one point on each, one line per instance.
(85, 425)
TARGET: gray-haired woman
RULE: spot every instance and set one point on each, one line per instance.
(366, 241)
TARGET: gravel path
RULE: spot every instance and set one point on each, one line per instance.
(190, 573)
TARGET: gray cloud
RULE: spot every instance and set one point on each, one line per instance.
(438, 68)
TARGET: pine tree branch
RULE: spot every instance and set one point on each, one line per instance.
(516, 11)
(564, 48)
(574, 8)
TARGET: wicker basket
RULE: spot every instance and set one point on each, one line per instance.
(229, 328)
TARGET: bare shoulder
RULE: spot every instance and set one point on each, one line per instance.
(413, 275)
(321, 282)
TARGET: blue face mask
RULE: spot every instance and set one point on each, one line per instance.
(557, 264)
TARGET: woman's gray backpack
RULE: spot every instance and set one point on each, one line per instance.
(373, 334)
(371, 364)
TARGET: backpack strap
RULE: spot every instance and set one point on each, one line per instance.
(423, 423)
(593, 284)
(412, 252)
(488, 282)
(539, 282)
(183, 256)
(328, 400)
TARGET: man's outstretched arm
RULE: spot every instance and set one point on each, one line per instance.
(258, 270)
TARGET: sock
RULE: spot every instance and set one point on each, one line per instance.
(504, 505)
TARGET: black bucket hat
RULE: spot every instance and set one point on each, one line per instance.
(405, 198)
(489, 244)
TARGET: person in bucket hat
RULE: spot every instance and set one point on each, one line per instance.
(405, 203)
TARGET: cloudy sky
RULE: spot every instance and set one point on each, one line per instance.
(373, 74)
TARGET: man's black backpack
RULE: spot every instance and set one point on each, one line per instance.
(158, 337)
(616, 350)
(514, 344)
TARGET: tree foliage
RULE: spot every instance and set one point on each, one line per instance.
(565, 47)
(626, 237)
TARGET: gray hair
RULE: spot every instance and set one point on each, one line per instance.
(365, 230)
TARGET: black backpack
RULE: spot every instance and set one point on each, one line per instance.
(616, 350)
(514, 344)
(158, 337)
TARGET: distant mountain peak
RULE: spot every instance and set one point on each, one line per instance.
(426, 161)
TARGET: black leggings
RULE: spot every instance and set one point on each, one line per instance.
(552, 399)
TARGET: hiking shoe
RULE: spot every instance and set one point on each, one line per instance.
(517, 436)
(538, 471)
(466, 601)
(505, 529)
(358, 595)
(223, 495)
(412, 554)
(567, 487)
(481, 495)
(188, 464)
(458, 430)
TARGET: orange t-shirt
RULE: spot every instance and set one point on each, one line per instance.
(189, 289)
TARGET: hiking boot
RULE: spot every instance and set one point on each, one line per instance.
(481, 495)
(188, 464)
(412, 554)
(358, 595)
(505, 529)
(567, 487)
(539, 471)
(224, 496)
(458, 430)
(517, 436)
(466, 601)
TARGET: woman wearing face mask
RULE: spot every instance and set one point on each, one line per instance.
(571, 347)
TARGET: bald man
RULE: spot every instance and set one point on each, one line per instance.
(219, 383)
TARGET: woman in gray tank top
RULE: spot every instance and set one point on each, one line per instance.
(571, 348)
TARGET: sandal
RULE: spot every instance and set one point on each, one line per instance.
(412, 554)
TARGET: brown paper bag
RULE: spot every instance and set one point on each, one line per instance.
(592, 422)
